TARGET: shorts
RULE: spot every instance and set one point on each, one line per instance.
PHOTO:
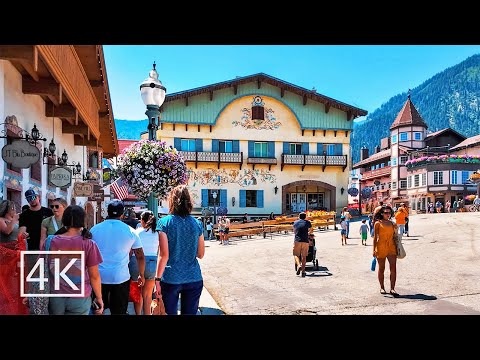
(150, 267)
(225, 231)
(343, 232)
(300, 248)
(364, 236)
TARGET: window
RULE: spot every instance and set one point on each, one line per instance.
(465, 175)
(330, 149)
(382, 165)
(403, 160)
(403, 136)
(409, 184)
(437, 177)
(225, 146)
(389, 163)
(394, 161)
(188, 145)
(417, 136)
(295, 149)
(251, 198)
(424, 179)
(454, 177)
(394, 139)
(394, 185)
(403, 184)
(261, 149)
(258, 113)
(211, 201)
(372, 167)
(417, 181)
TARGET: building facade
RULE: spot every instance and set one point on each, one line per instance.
(62, 91)
(418, 167)
(257, 145)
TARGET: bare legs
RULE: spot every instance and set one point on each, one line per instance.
(145, 299)
(392, 261)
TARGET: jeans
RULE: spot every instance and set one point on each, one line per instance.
(190, 297)
(69, 305)
(348, 226)
(401, 231)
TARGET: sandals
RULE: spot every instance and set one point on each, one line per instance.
(382, 291)
(394, 293)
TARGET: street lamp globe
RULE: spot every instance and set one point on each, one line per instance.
(152, 90)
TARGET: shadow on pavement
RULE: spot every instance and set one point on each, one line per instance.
(209, 311)
(418, 297)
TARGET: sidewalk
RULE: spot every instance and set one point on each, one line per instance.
(207, 305)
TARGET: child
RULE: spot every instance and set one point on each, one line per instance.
(209, 229)
(343, 232)
(370, 224)
(364, 232)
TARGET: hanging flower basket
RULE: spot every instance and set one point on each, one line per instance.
(150, 166)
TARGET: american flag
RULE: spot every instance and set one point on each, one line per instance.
(120, 190)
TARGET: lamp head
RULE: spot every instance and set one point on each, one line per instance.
(152, 90)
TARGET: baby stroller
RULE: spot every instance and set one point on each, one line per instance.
(312, 252)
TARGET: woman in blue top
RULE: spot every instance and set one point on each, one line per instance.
(181, 242)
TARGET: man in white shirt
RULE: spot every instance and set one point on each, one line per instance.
(115, 239)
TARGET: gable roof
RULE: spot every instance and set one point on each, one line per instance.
(283, 85)
(440, 132)
(374, 157)
(471, 141)
(408, 116)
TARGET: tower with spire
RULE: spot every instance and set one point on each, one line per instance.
(407, 132)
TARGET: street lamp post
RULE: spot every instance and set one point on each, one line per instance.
(214, 194)
(153, 96)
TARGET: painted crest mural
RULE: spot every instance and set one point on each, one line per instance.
(246, 177)
(258, 117)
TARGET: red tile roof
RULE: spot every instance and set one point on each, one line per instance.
(408, 116)
(384, 154)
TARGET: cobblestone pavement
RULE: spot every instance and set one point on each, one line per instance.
(439, 275)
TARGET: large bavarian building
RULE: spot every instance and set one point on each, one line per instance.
(417, 167)
(264, 145)
(62, 92)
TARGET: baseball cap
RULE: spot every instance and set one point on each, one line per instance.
(30, 195)
(115, 209)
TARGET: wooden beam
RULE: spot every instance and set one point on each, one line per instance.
(161, 126)
(349, 115)
(235, 89)
(211, 95)
(72, 129)
(304, 100)
(30, 69)
(76, 116)
(303, 131)
(78, 140)
(103, 114)
(327, 108)
(186, 101)
(45, 86)
(259, 83)
(96, 83)
(198, 128)
(210, 128)
(324, 132)
(173, 126)
(62, 111)
(186, 127)
(335, 133)
(18, 53)
(282, 92)
(346, 133)
(313, 132)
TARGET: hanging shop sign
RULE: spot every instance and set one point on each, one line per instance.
(82, 189)
(20, 154)
(352, 191)
(98, 194)
(60, 176)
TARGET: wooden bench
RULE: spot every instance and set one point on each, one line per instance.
(242, 229)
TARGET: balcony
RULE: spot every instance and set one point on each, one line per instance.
(385, 171)
(262, 160)
(442, 159)
(212, 157)
(322, 160)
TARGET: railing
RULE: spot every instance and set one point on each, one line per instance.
(323, 160)
(385, 171)
(262, 161)
(460, 159)
(208, 156)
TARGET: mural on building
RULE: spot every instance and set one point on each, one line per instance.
(258, 117)
(218, 177)
(13, 182)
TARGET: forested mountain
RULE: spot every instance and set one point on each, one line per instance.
(130, 130)
(449, 99)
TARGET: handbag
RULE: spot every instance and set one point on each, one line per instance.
(398, 243)
(134, 294)
(157, 307)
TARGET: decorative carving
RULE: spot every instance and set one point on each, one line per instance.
(246, 121)
(221, 177)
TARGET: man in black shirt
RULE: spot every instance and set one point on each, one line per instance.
(131, 218)
(300, 244)
(30, 220)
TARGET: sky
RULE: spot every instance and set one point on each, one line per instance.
(359, 75)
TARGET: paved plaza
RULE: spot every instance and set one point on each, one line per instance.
(438, 276)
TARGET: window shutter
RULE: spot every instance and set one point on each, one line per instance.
(271, 149)
(204, 197)
(260, 198)
(177, 143)
(319, 149)
(215, 146)
(338, 149)
(251, 149)
(223, 198)
(243, 198)
(235, 146)
(258, 113)
(305, 148)
(286, 148)
(199, 145)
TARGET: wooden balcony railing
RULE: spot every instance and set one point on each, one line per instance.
(262, 160)
(322, 160)
(215, 157)
(385, 171)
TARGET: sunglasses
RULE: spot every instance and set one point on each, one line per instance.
(54, 207)
(387, 213)
(30, 199)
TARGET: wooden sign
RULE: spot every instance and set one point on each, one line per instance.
(98, 194)
(20, 154)
(82, 189)
(60, 176)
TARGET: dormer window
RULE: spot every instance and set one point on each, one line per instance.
(258, 109)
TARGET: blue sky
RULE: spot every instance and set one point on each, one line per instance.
(359, 75)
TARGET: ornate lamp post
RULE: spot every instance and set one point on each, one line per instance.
(153, 96)
(214, 194)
